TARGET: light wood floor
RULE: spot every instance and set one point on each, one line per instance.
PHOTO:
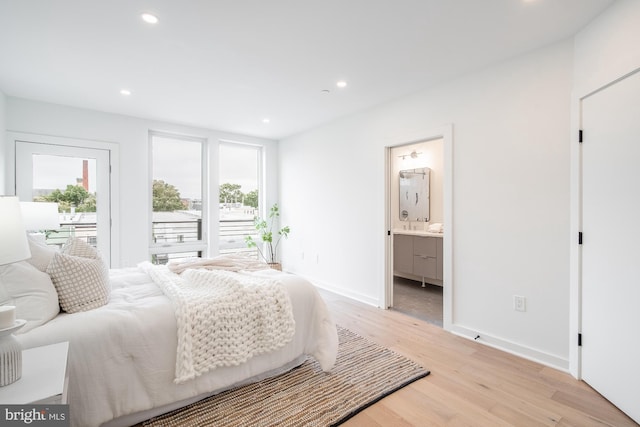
(470, 384)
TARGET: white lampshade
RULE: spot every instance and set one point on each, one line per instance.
(40, 216)
(13, 236)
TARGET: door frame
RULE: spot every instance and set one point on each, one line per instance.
(446, 134)
(113, 185)
(575, 251)
(577, 272)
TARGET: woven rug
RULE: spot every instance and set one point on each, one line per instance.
(365, 372)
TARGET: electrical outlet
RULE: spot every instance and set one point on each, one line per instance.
(519, 303)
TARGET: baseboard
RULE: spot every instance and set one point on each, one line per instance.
(366, 299)
(512, 348)
(485, 338)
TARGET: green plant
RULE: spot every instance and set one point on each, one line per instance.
(265, 231)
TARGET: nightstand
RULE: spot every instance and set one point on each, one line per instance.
(44, 377)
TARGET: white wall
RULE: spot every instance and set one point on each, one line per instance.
(511, 124)
(3, 101)
(131, 135)
(608, 47)
(605, 50)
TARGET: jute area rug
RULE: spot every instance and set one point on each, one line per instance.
(365, 372)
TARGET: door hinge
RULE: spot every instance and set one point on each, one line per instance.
(580, 136)
(580, 237)
(579, 340)
(388, 232)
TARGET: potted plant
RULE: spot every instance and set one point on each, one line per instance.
(265, 231)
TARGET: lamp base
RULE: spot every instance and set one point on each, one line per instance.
(10, 360)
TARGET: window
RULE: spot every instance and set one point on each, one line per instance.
(178, 215)
(239, 195)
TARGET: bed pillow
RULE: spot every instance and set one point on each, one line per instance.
(31, 291)
(41, 253)
(80, 276)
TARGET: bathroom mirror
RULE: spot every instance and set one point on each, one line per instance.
(414, 194)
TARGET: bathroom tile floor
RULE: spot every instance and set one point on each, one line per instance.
(409, 297)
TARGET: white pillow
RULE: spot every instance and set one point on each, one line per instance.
(41, 253)
(80, 276)
(31, 291)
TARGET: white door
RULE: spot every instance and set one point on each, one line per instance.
(42, 168)
(611, 243)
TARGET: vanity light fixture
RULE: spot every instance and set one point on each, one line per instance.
(414, 155)
(149, 18)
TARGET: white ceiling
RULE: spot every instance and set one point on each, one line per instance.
(227, 64)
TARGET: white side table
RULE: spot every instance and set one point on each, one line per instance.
(44, 377)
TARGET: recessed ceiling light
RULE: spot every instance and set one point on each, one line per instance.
(149, 18)
(125, 92)
(341, 84)
(266, 120)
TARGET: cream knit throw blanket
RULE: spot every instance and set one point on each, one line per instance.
(224, 318)
(230, 262)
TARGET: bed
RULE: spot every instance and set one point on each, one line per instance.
(122, 355)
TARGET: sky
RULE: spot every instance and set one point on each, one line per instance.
(51, 172)
(176, 162)
(239, 165)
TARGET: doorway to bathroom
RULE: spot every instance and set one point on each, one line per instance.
(418, 218)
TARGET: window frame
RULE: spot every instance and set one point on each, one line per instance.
(261, 168)
(201, 247)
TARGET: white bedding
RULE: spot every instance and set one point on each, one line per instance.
(224, 318)
(122, 356)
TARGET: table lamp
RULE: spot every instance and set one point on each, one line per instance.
(14, 248)
(39, 218)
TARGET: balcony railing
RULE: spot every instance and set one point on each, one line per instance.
(84, 231)
(232, 236)
(176, 231)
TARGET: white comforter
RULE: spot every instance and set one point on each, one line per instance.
(122, 356)
(224, 318)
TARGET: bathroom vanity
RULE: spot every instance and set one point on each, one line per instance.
(417, 255)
